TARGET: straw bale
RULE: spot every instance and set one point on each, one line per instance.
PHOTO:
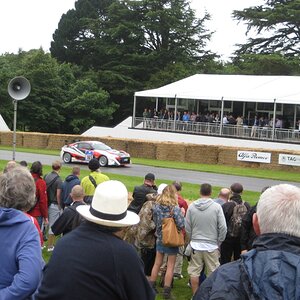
(201, 154)
(170, 151)
(142, 149)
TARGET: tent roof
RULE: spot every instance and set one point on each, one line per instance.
(246, 88)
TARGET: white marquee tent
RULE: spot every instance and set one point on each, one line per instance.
(246, 88)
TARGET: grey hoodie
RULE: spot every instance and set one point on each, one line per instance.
(205, 222)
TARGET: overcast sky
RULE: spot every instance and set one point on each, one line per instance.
(29, 24)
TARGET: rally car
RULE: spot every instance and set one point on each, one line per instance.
(84, 151)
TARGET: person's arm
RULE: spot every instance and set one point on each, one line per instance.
(222, 227)
(179, 218)
(43, 199)
(30, 264)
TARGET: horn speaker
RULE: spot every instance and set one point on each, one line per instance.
(19, 88)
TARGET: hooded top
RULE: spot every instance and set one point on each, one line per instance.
(269, 271)
(68, 184)
(205, 222)
(21, 258)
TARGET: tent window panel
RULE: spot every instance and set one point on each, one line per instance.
(269, 106)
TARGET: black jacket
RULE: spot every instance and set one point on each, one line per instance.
(248, 234)
(92, 263)
(270, 271)
(139, 197)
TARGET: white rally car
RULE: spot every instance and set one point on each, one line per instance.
(84, 151)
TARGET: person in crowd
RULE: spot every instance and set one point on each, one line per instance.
(167, 204)
(70, 218)
(92, 261)
(21, 258)
(206, 228)
(248, 234)
(70, 181)
(234, 210)
(184, 207)
(140, 192)
(40, 209)
(91, 181)
(143, 233)
(223, 196)
(255, 124)
(54, 183)
(271, 269)
(23, 163)
(10, 165)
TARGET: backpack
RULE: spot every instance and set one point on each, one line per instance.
(235, 222)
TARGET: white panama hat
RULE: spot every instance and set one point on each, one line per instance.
(109, 206)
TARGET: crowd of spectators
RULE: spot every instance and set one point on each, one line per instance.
(245, 252)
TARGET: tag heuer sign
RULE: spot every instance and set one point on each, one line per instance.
(251, 156)
(289, 159)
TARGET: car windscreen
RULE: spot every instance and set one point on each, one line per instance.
(101, 147)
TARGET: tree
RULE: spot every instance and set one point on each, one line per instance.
(264, 64)
(89, 106)
(126, 42)
(61, 96)
(277, 24)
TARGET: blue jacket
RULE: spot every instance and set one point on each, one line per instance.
(21, 260)
(269, 271)
(68, 184)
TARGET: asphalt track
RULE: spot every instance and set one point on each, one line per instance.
(249, 183)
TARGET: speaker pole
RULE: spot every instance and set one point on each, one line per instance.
(15, 129)
(18, 88)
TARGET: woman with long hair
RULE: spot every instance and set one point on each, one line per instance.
(166, 205)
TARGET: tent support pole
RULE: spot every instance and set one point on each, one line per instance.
(175, 113)
(295, 116)
(222, 114)
(274, 120)
(156, 104)
(134, 112)
(244, 109)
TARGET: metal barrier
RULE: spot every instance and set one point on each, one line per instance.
(205, 128)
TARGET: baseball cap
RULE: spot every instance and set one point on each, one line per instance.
(150, 176)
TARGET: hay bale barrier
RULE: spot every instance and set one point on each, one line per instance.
(171, 151)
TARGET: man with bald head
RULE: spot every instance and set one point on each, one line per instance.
(223, 196)
(70, 218)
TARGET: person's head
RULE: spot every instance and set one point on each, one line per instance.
(17, 189)
(37, 168)
(149, 179)
(56, 165)
(77, 193)
(278, 211)
(178, 185)
(168, 196)
(236, 188)
(205, 190)
(23, 163)
(94, 164)
(76, 171)
(109, 206)
(224, 194)
(9, 166)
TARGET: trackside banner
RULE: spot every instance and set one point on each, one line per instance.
(289, 159)
(252, 156)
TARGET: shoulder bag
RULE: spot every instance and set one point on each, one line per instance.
(171, 236)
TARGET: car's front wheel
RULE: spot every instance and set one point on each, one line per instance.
(67, 158)
(103, 161)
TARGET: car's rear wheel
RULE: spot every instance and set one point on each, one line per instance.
(67, 158)
(103, 161)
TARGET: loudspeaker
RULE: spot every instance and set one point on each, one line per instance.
(19, 88)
